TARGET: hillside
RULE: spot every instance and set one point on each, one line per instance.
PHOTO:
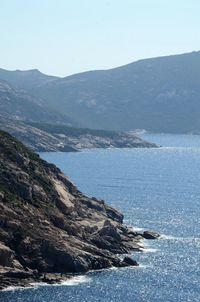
(42, 129)
(83, 138)
(158, 94)
(34, 138)
(19, 105)
(51, 138)
(48, 137)
(49, 227)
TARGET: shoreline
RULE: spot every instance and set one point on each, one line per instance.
(65, 280)
(58, 279)
(49, 228)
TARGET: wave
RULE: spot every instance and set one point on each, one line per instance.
(74, 281)
(14, 288)
(144, 266)
(137, 229)
(150, 250)
(170, 237)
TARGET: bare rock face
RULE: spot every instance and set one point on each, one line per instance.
(43, 137)
(6, 255)
(47, 226)
(129, 261)
(150, 235)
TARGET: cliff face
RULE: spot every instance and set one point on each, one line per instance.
(48, 226)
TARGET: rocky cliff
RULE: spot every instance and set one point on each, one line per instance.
(47, 137)
(47, 226)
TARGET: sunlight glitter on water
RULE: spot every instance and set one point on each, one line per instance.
(156, 189)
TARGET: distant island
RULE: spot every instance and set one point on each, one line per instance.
(49, 228)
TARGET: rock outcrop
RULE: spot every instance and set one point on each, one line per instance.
(48, 137)
(47, 226)
(150, 235)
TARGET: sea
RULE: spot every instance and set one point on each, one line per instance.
(157, 189)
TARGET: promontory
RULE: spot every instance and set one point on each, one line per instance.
(48, 228)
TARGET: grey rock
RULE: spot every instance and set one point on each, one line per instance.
(47, 226)
(127, 261)
(150, 235)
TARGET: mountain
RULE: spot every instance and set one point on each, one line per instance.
(19, 105)
(26, 118)
(48, 227)
(158, 94)
(25, 79)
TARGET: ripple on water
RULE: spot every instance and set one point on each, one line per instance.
(156, 189)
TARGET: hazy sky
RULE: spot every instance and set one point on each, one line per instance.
(63, 37)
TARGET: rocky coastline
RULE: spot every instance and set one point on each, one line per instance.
(49, 230)
(52, 138)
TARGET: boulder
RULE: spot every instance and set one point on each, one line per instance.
(6, 255)
(128, 261)
(150, 235)
(109, 230)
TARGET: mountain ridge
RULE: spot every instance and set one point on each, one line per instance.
(157, 94)
(36, 70)
(18, 104)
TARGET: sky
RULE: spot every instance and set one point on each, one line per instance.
(63, 37)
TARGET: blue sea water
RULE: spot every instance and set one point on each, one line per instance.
(156, 189)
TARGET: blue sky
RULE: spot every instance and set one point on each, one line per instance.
(62, 37)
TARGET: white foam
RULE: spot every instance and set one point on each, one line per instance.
(113, 268)
(150, 250)
(137, 229)
(143, 266)
(169, 237)
(13, 288)
(74, 281)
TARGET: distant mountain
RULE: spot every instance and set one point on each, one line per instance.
(42, 129)
(158, 94)
(19, 105)
(25, 79)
